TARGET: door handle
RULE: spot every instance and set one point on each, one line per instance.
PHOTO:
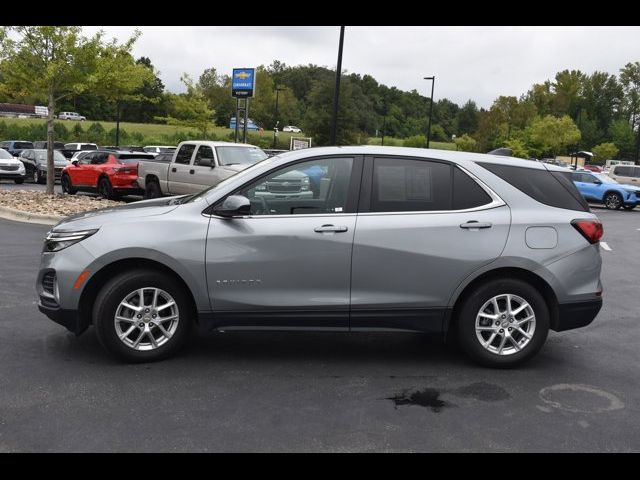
(173, 169)
(192, 171)
(330, 228)
(475, 224)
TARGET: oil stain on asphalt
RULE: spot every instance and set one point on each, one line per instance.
(430, 397)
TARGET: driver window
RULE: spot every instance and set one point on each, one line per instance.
(203, 152)
(314, 187)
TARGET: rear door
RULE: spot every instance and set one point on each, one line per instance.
(423, 227)
(179, 175)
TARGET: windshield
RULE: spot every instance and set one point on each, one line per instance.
(41, 156)
(243, 173)
(22, 145)
(4, 154)
(240, 155)
(605, 179)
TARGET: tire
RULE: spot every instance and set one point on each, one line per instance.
(67, 187)
(613, 201)
(152, 190)
(480, 301)
(39, 178)
(19, 181)
(628, 207)
(105, 190)
(120, 289)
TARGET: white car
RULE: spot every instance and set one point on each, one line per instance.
(291, 128)
(80, 146)
(155, 149)
(70, 116)
(11, 168)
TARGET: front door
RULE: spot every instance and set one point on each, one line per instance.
(288, 263)
(179, 175)
(204, 176)
(424, 226)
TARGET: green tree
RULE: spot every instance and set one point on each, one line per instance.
(466, 143)
(518, 148)
(119, 78)
(148, 101)
(189, 109)
(630, 80)
(622, 136)
(552, 134)
(604, 151)
(48, 63)
(467, 118)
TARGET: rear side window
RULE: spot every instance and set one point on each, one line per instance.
(185, 153)
(555, 189)
(624, 171)
(402, 185)
(466, 192)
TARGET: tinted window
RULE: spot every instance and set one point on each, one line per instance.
(99, 158)
(240, 155)
(86, 159)
(402, 185)
(22, 145)
(466, 191)
(163, 157)
(313, 187)
(636, 172)
(203, 152)
(184, 154)
(555, 189)
(88, 146)
(133, 157)
(624, 171)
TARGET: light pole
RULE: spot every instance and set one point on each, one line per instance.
(433, 82)
(336, 93)
(275, 129)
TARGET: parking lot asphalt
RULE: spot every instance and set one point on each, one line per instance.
(319, 391)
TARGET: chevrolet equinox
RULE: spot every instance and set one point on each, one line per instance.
(489, 250)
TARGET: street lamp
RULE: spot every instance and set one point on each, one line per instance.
(433, 82)
(336, 93)
(275, 129)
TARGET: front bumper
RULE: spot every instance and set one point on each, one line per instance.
(576, 315)
(70, 319)
(12, 175)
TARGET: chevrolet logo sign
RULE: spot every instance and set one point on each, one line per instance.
(243, 75)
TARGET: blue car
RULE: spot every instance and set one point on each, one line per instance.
(599, 188)
(251, 125)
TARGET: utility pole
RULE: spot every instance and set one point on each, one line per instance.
(433, 82)
(336, 93)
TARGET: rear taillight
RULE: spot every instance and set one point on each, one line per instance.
(590, 229)
(125, 170)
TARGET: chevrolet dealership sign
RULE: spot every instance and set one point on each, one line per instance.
(243, 82)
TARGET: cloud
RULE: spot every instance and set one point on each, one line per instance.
(478, 63)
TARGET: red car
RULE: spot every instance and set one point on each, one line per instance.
(594, 168)
(109, 173)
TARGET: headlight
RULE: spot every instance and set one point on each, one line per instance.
(633, 192)
(56, 241)
(305, 184)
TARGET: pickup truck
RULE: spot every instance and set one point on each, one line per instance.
(195, 166)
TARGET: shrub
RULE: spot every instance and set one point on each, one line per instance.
(417, 141)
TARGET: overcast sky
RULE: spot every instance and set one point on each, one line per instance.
(478, 63)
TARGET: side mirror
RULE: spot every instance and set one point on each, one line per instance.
(206, 162)
(74, 163)
(598, 182)
(233, 206)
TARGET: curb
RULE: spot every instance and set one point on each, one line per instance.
(20, 216)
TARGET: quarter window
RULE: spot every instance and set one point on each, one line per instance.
(184, 154)
(466, 192)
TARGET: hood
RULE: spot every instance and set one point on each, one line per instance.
(9, 161)
(97, 218)
(236, 167)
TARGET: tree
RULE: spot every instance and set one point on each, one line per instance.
(150, 100)
(604, 151)
(189, 109)
(622, 136)
(551, 134)
(466, 143)
(118, 77)
(468, 118)
(630, 80)
(48, 63)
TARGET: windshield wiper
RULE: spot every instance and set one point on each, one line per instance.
(180, 200)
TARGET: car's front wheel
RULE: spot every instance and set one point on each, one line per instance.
(19, 181)
(67, 186)
(613, 201)
(503, 323)
(142, 316)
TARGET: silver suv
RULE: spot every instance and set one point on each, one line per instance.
(490, 250)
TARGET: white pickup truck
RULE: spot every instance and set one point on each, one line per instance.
(195, 166)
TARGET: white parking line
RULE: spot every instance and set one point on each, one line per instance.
(606, 246)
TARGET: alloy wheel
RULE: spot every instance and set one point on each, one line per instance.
(146, 318)
(505, 324)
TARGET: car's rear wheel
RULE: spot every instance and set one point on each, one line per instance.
(105, 190)
(152, 189)
(503, 323)
(142, 316)
(613, 201)
(67, 187)
(19, 181)
(40, 178)
(628, 207)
